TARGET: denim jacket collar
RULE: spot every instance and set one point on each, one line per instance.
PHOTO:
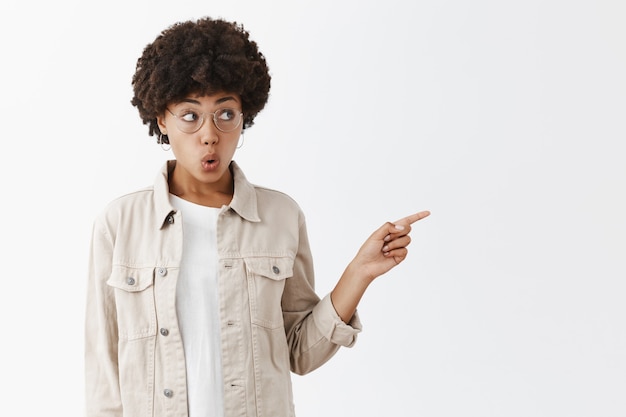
(244, 201)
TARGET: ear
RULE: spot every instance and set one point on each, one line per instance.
(161, 123)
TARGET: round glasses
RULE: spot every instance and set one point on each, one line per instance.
(226, 120)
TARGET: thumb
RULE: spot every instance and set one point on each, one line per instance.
(387, 229)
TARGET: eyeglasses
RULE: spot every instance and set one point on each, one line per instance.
(226, 120)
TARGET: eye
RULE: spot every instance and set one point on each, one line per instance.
(226, 114)
(189, 116)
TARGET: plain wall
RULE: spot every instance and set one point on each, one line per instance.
(505, 119)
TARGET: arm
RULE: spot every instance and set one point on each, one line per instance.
(383, 250)
(314, 330)
(102, 396)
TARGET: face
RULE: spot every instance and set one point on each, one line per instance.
(203, 156)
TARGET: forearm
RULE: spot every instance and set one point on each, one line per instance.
(102, 394)
(348, 292)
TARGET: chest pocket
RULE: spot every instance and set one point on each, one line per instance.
(134, 301)
(266, 282)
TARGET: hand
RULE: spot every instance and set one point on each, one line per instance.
(386, 247)
(383, 250)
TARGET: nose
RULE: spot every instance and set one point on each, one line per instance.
(209, 135)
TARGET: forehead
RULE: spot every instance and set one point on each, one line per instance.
(208, 100)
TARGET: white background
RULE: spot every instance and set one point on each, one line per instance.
(506, 119)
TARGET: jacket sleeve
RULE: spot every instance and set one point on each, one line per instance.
(102, 394)
(315, 332)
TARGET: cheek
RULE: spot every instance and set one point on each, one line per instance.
(178, 146)
(235, 142)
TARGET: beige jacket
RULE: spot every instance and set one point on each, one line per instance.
(272, 322)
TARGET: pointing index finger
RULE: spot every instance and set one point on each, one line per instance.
(413, 217)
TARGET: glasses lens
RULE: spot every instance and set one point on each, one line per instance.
(227, 120)
(189, 121)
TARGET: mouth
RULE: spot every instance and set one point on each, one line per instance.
(209, 164)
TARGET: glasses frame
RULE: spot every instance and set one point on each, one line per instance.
(203, 118)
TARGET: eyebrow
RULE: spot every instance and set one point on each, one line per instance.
(218, 101)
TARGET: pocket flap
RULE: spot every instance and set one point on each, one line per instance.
(131, 279)
(276, 268)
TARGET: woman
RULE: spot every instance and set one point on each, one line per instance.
(201, 295)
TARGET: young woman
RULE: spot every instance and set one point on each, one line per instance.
(201, 296)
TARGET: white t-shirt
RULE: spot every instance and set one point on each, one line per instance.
(197, 306)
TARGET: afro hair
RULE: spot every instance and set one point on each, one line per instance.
(201, 57)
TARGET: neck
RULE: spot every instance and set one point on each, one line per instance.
(213, 194)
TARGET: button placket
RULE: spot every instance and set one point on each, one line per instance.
(161, 271)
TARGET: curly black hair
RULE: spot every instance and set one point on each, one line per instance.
(200, 57)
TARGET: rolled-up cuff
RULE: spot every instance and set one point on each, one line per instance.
(332, 327)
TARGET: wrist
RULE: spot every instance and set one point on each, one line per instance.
(359, 274)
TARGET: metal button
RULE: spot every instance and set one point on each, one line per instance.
(162, 271)
(168, 393)
(130, 281)
(275, 269)
(170, 219)
(164, 331)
